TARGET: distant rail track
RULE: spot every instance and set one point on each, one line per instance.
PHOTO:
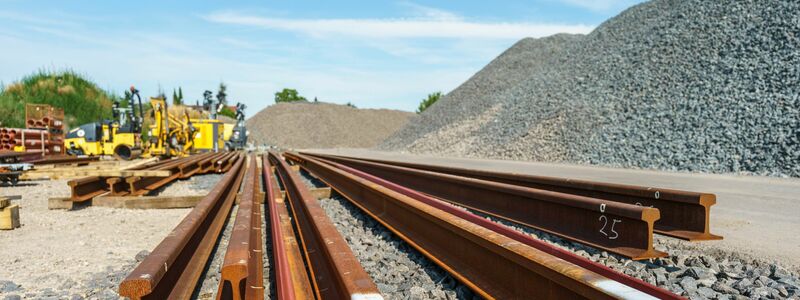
(424, 206)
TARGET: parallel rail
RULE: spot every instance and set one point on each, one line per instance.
(684, 214)
(292, 280)
(311, 260)
(172, 270)
(492, 264)
(335, 272)
(242, 268)
(84, 189)
(620, 228)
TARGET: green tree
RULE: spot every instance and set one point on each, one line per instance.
(427, 102)
(288, 95)
(226, 111)
(175, 100)
(350, 104)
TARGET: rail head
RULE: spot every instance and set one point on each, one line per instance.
(241, 266)
(335, 270)
(185, 248)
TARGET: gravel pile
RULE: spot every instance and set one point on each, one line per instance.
(710, 86)
(323, 125)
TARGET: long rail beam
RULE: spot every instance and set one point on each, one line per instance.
(172, 270)
(291, 278)
(242, 267)
(621, 228)
(511, 233)
(335, 271)
(491, 264)
(684, 214)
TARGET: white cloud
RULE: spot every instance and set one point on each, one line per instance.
(431, 13)
(601, 5)
(446, 27)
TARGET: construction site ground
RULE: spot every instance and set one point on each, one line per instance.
(71, 252)
(757, 216)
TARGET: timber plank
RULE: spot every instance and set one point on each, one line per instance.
(147, 202)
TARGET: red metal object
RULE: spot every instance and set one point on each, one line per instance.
(336, 273)
(172, 270)
(242, 267)
(616, 227)
(513, 234)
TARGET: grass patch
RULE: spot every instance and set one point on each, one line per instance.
(81, 99)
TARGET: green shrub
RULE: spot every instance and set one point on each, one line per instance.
(81, 99)
(288, 95)
(226, 111)
(427, 102)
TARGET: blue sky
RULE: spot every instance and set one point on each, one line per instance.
(375, 54)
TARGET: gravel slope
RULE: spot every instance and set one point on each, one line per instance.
(308, 124)
(694, 85)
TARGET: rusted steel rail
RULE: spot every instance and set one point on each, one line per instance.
(172, 270)
(221, 163)
(291, 278)
(143, 185)
(8, 156)
(509, 232)
(86, 188)
(684, 214)
(621, 228)
(493, 265)
(242, 268)
(208, 165)
(336, 273)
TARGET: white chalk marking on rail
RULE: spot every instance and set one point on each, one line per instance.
(359, 296)
(616, 234)
(602, 207)
(620, 290)
(605, 219)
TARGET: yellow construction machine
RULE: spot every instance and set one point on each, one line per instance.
(120, 136)
(169, 135)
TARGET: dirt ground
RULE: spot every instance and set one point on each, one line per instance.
(59, 253)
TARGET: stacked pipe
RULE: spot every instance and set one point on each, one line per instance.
(54, 125)
(46, 118)
(32, 139)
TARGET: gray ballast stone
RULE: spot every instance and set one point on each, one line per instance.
(695, 85)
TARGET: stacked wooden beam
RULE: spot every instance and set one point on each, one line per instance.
(9, 214)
